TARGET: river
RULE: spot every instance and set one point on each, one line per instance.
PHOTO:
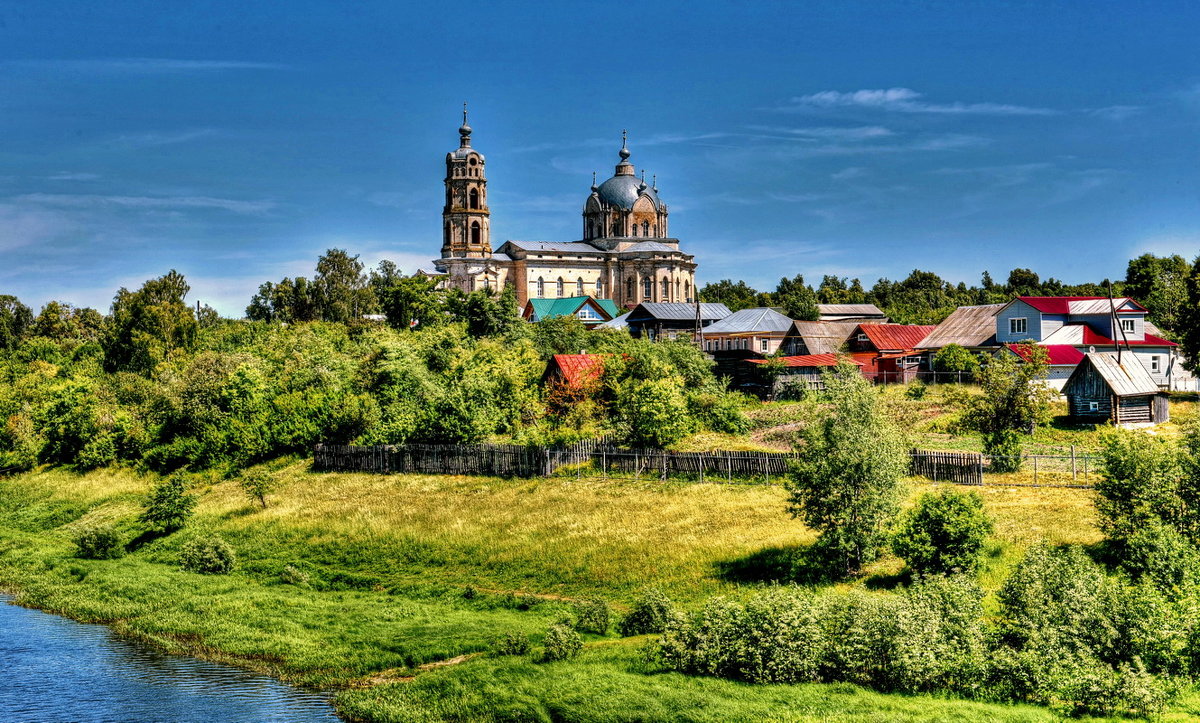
(55, 669)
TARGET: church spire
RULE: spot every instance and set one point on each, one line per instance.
(464, 131)
(624, 168)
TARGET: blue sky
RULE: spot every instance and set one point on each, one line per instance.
(237, 141)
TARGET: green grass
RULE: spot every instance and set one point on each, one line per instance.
(391, 559)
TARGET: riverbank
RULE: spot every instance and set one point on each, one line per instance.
(364, 583)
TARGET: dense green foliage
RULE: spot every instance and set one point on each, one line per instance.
(208, 555)
(648, 614)
(98, 541)
(561, 642)
(1013, 400)
(953, 358)
(943, 532)
(593, 616)
(847, 482)
(169, 506)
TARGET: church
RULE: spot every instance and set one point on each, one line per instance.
(626, 253)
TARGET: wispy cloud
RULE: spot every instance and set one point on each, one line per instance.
(849, 174)
(21, 225)
(72, 176)
(906, 100)
(829, 132)
(152, 139)
(143, 66)
(147, 202)
(1116, 112)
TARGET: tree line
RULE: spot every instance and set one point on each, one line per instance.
(1160, 283)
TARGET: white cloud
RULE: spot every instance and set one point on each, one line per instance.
(1116, 112)
(1184, 243)
(906, 100)
(147, 202)
(24, 226)
(849, 174)
(830, 132)
(163, 138)
(72, 176)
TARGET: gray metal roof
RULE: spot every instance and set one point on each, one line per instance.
(1127, 379)
(824, 337)
(680, 311)
(846, 310)
(578, 247)
(751, 320)
(969, 326)
(618, 322)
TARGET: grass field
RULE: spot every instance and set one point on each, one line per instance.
(409, 570)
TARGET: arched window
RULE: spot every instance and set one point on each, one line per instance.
(476, 233)
(635, 229)
(687, 291)
(629, 289)
(599, 288)
(579, 287)
(541, 288)
(647, 288)
(645, 228)
(666, 290)
(616, 228)
(677, 296)
(559, 286)
(474, 198)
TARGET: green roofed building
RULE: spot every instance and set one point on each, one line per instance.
(587, 309)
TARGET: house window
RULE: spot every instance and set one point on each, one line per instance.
(764, 345)
(863, 337)
(559, 286)
(587, 313)
(1154, 363)
(645, 228)
(647, 288)
(1127, 326)
(629, 289)
(541, 288)
(1018, 326)
(1093, 406)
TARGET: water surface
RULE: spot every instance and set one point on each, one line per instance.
(54, 669)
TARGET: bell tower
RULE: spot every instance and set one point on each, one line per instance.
(466, 229)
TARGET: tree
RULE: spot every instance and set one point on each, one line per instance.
(169, 506)
(735, 295)
(797, 299)
(1014, 399)
(257, 485)
(148, 326)
(955, 359)
(1189, 331)
(15, 319)
(1023, 282)
(484, 313)
(943, 533)
(834, 290)
(848, 482)
(1161, 285)
(342, 290)
(654, 411)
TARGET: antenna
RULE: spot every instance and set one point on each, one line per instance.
(1112, 314)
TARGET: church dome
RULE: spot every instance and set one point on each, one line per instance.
(622, 191)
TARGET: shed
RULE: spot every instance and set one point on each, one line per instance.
(1103, 389)
(803, 371)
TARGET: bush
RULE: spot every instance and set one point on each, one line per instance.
(561, 643)
(592, 616)
(916, 390)
(512, 644)
(169, 505)
(292, 575)
(257, 484)
(207, 555)
(650, 614)
(1161, 555)
(98, 541)
(1004, 448)
(943, 533)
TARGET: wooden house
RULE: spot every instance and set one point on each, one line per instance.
(661, 320)
(802, 371)
(888, 352)
(817, 337)
(589, 310)
(1104, 389)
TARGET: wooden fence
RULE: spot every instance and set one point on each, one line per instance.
(964, 468)
(506, 460)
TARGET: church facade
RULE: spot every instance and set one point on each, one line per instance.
(625, 254)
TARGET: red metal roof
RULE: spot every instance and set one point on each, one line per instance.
(1093, 338)
(809, 360)
(577, 368)
(895, 336)
(1062, 304)
(1057, 354)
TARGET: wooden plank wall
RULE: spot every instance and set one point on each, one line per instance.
(964, 468)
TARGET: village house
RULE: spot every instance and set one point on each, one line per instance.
(851, 312)
(759, 330)
(660, 320)
(590, 311)
(888, 352)
(817, 337)
(801, 372)
(1112, 387)
(971, 327)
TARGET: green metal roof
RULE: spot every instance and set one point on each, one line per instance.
(568, 306)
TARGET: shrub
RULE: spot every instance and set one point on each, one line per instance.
(943, 533)
(207, 555)
(651, 612)
(257, 484)
(592, 616)
(98, 541)
(953, 358)
(561, 643)
(1160, 554)
(169, 505)
(292, 575)
(1004, 448)
(916, 390)
(512, 644)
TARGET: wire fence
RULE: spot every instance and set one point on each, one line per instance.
(591, 460)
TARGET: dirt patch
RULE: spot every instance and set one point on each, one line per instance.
(405, 675)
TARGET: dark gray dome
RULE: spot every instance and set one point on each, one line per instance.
(622, 191)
